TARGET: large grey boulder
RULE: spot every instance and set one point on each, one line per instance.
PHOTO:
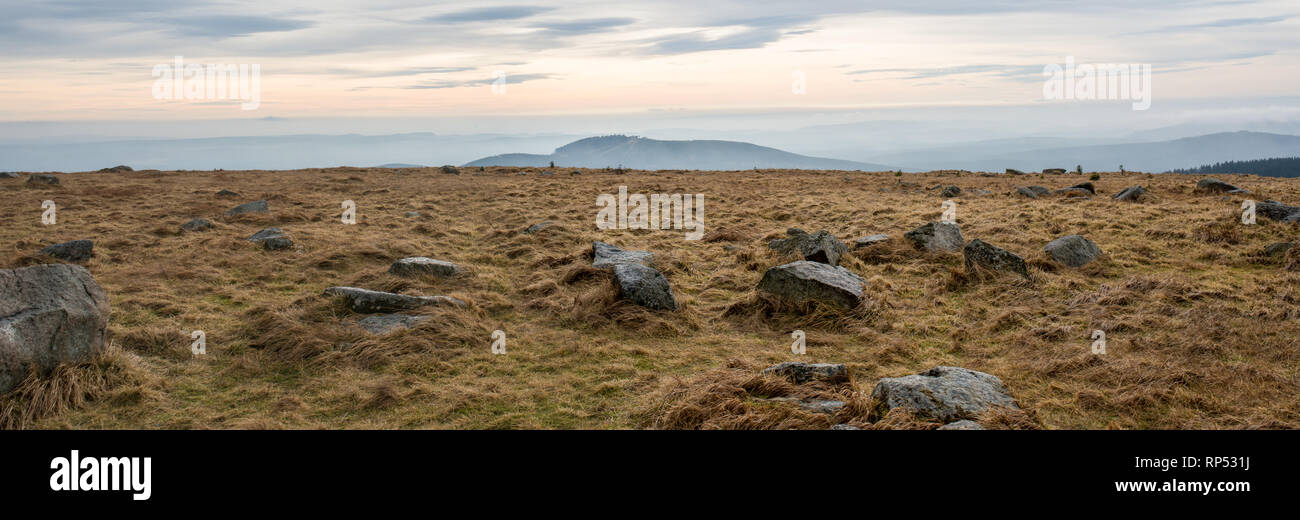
(272, 239)
(419, 265)
(365, 301)
(944, 394)
(49, 314)
(257, 206)
(937, 236)
(1212, 185)
(75, 251)
(644, 286)
(804, 282)
(1025, 191)
(988, 256)
(40, 178)
(1073, 250)
(1131, 194)
(815, 247)
(606, 255)
(799, 372)
(1278, 211)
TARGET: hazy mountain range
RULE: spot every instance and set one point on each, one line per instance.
(653, 154)
(404, 150)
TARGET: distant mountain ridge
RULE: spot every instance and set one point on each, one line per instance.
(654, 154)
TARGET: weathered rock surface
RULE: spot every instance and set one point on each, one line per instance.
(365, 301)
(1073, 192)
(1131, 194)
(74, 251)
(964, 424)
(799, 372)
(825, 406)
(988, 256)
(1278, 248)
(1086, 186)
(937, 236)
(950, 191)
(227, 193)
(644, 286)
(870, 240)
(815, 247)
(198, 224)
(450, 170)
(1073, 250)
(9, 175)
(257, 206)
(385, 323)
(121, 168)
(1275, 210)
(945, 394)
(1212, 185)
(272, 239)
(49, 314)
(420, 266)
(1054, 171)
(606, 255)
(40, 178)
(804, 282)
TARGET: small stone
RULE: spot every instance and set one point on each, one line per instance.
(937, 237)
(198, 224)
(988, 256)
(815, 247)
(258, 206)
(606, 255)
(870, 240)
(77, 251)
(644, 286)
(385, 323)
(799, 372)
(1073, 250)
(40, 178)
(272, 239)
(365, 301)
(537, 227)
(1131, 194)
(805, 282)
(419, 266)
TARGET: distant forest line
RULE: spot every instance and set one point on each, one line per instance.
(1278, 167)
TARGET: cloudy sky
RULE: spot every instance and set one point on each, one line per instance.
(70, 60)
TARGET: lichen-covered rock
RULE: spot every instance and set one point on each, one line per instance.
(644, 286)
(606, 255)
(799, 372)
(49, 314)
(805, 282)
(944, 394)
(937, 237)
(78, 251)
(814, 247)
(419, 266)
(985, 255)
(1212, 185)
(365, 301)
(257, 206)
(198, 224)
(272, 239)
(1131, 194)
(1275, 210)
(1073, 250)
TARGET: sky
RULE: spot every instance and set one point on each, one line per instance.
(335, 61)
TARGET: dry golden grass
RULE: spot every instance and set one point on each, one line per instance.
(1203, 331)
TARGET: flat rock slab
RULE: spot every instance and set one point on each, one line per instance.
(988, 256)
(606, 255)
(78, 251)
(825, 406)
(799, 372)
(644, 286)
(420, 266)
(198, 224)
(227, 193)
(257, 206)
(937, 237)
(385, 323)
(805, 282)
(272, 239)
(49, 314)
(870, 240)
(944, 394)
(815, 247)
(1073, 250)
(365, 301)
(1131, 194)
